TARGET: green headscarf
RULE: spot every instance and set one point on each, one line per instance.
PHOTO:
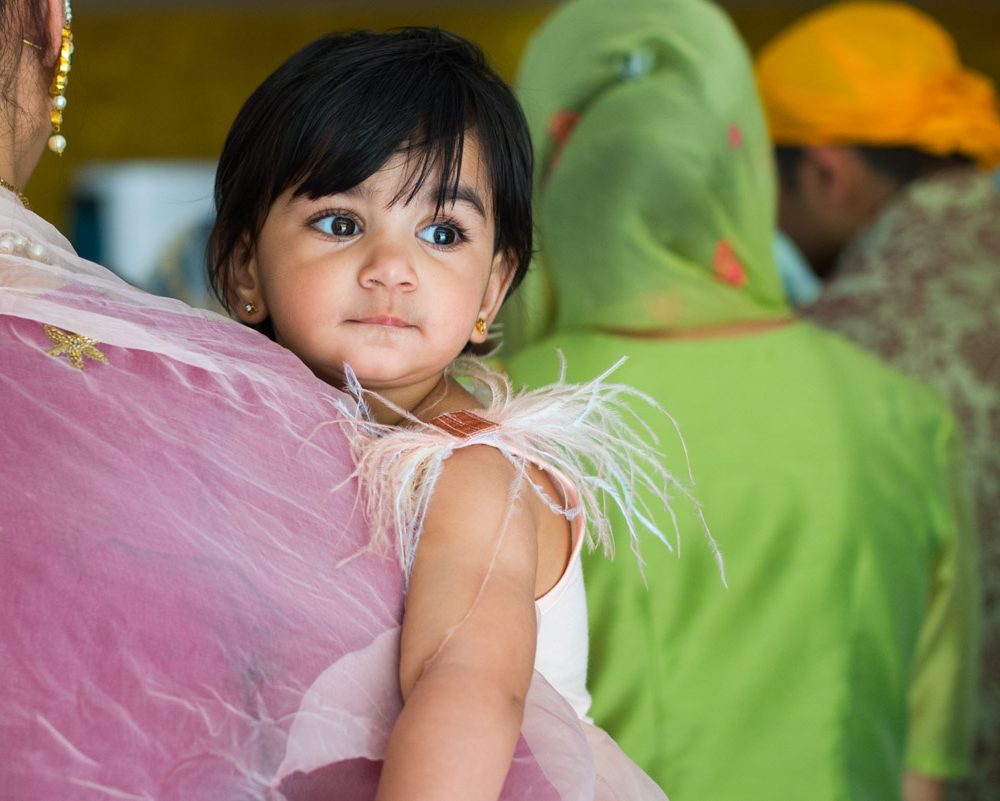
(655, 188)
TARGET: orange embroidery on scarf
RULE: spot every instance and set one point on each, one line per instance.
(727, 267)
(735, 136)
(560, 128)
(562, 125)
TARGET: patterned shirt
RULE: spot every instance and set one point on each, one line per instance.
(921, 287)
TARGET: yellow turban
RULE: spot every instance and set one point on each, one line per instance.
(870, 73)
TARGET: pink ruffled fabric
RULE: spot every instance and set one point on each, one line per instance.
(171, 535)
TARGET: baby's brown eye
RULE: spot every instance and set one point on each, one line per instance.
(439, 235)
(337, 225)
(343, 226)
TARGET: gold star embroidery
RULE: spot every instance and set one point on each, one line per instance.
(73, 346)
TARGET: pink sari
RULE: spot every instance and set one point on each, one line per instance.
(183, 556)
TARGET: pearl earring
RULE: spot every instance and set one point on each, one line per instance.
(57, 142)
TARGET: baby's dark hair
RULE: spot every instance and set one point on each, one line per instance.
(336, 111)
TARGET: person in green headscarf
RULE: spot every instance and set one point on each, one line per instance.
(841, 657)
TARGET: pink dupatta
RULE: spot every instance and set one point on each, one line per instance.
(184, 557)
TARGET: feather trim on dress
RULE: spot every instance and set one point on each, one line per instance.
(588, 432)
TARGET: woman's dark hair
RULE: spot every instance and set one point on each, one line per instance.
(19, 20)
(900, 164)
(336, 111)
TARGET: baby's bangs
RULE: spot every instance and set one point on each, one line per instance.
(439, 161)
(339, 162)
(425, 115)
(433, 159)
(437, 141)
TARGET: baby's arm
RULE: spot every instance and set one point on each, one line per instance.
(469, 636)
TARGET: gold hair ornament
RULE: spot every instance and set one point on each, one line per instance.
(57, 142)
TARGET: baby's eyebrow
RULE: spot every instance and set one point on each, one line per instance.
(463, 194)
(358, 190)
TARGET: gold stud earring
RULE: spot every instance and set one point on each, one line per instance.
(57, 142)
(481, 326)
(250, 308)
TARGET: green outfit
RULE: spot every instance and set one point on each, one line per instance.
(824, 478)
(844, 643)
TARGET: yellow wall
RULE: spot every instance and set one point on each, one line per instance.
(167, 84)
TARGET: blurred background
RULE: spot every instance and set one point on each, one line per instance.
(156, 84)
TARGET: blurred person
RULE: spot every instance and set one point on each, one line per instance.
(841, 655)
(884, 143)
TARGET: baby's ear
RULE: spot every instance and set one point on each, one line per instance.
(245, 296)
(501, 275)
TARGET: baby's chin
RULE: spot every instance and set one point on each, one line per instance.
(379, 376)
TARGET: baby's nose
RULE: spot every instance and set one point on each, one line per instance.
(390, 266)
